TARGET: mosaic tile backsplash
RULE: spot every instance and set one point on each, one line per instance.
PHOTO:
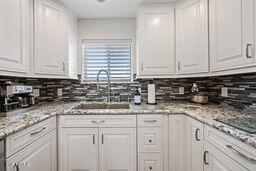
(241, 89)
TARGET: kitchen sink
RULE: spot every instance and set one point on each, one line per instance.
(103, 106)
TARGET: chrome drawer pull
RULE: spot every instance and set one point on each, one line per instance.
(241, 154)
(98, 122)
(37, 132)
(150, 121)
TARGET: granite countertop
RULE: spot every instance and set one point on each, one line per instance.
(203, 113)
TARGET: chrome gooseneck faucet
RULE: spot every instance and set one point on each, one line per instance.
(100, 71)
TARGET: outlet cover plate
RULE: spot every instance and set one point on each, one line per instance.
(224, 91)
(181, 90)
(36, 92)
(59, 92)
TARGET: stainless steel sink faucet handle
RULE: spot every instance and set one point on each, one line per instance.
(99, 72)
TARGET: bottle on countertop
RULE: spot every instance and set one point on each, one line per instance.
(137, 97)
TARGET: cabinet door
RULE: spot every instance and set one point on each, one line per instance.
(39, 156)
(50, 38)
(231, 34)
(194, 145)
(156, 41)
(14, 35)
(177, 142)
(78, 149)
(192, 37)
(117, 149)
(216, 160)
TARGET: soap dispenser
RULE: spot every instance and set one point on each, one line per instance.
(137, 97)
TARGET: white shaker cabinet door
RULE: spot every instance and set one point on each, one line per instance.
(232, 34)
(78, 149)
(50, 38)
(14, 36)
(155, 41)
(192, 37)
(117, 148)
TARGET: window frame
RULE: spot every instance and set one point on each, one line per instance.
(106, 41)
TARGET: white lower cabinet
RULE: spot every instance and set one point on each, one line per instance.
(150, 162)
(151, 143)
(41, 155)
(117, 149)
(79, 149)
(104, 146)
(177, 142)
(194, 144)
(216, 160)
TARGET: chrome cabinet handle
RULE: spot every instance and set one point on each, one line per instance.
(196, 134)
(102, 138)
(205, 154)
(63, 66)
(37, 132)
(179, 68)
(241, 154)
(142, 66)
(249, 50)
(98, 122)
(93, 139)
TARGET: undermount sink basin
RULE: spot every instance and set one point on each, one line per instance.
(103, 106)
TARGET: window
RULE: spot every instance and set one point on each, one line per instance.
(111, 55)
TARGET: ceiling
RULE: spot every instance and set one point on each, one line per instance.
(108, 9)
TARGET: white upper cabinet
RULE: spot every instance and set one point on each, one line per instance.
(50, 38)
(14, 36)
(155, 42)
(192, 37)
(232, 34)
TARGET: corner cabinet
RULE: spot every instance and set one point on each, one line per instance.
(192, 37)
(155, 57)
(232, 34)
(51, 44)
(14, 37)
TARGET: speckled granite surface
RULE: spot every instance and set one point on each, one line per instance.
(205, 114)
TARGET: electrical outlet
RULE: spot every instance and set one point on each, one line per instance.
(36, 92)
(181, 90)
(59, 92)
(224, 91)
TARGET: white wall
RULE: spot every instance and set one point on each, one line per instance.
(107, 29)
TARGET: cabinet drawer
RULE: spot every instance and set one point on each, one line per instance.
(150, 120)
(21, 139)
(152, 162)
(150, 139)
(238, 151)
(94, 121)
